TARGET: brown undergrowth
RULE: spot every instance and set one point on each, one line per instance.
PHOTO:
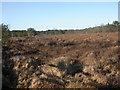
(62, 61)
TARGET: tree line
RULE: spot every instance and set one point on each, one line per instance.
(6, 33)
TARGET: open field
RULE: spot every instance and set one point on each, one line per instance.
(62, 61)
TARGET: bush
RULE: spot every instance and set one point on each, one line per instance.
(52, 43)
(5, 32)
(69, 44)
(70, 67)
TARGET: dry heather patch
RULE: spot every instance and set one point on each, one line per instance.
(57, 61)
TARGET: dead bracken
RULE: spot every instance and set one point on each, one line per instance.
(57, 61)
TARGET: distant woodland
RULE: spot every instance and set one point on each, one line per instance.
(6, 33)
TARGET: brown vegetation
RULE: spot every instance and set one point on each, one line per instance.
(62, 61)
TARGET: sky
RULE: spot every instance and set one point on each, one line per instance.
(119, 11)
(58, 15)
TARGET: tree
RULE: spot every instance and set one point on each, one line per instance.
(0, 31)
(116, 23)
(5, 32)
(108, 24)
(31, 32)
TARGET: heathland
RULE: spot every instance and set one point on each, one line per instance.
(78, 59)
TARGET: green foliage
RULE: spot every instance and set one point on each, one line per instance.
(31, 32)
(116, 23)
(5, 32)
(30, 29)
(18, 33)
(0, 32)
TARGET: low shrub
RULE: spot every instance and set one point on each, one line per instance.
(52, 43)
